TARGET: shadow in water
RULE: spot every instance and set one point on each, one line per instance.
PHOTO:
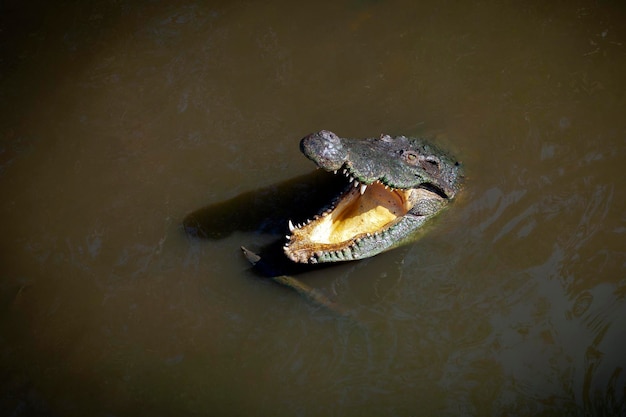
(267, 211)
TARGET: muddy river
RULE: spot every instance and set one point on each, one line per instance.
(120, 118)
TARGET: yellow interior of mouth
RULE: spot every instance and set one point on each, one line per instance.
(356, 214)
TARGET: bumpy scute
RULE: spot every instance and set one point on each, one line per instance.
(395, 185)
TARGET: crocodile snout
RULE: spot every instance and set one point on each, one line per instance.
(326, 147)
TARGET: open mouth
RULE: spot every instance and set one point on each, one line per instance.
(361, 211)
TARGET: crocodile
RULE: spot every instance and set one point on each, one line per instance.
(395, 185)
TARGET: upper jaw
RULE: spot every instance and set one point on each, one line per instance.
(358, 180)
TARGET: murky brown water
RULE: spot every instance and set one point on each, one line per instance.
(120, 118)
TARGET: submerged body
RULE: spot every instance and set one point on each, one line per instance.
(396, 184)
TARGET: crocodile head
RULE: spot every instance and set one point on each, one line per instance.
(396, 184)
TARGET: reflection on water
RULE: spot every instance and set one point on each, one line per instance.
(120, 119)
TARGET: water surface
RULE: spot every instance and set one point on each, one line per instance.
(119, 119)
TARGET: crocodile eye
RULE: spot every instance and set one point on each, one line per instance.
(412, 158)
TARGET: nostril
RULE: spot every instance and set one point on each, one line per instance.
(329, 136)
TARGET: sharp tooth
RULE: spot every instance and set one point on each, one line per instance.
(363, 188)
(288, 237)
(335, 172)
(350, 179)
(356, 183)
(291, 227)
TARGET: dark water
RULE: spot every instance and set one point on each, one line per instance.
(118, 119)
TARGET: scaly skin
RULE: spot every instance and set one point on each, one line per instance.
(397, 184)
